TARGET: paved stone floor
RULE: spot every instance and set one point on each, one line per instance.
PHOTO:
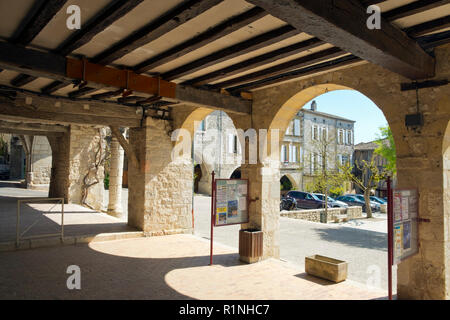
(44, 218)
(362, 243)
(169, 267)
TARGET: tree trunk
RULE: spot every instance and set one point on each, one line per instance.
(367, 199)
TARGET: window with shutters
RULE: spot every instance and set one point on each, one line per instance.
(297, 127)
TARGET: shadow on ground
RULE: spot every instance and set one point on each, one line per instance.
(41, 274)
(356, 238)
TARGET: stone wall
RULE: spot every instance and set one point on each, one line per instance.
(314, 214)
(160, 189)
(41, 162)
(84, 145)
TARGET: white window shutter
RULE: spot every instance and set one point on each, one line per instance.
(297, 127)
(294, 154)
(230, 142)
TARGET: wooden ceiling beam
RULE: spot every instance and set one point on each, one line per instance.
(255, 62)
(49, 65)
(210, 35)
(310, 70)
(283, 67)
(413, 8)
(105, 18)
(246, 46)
(427, 27)
(344, 24)
(184, 12)
(39, 16)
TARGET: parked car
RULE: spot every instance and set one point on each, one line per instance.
(358, 200)
(334, 203)
(352, 201)
(4, 171)
(287, 204)
(374, 205)
(306, 200)
(377, 200)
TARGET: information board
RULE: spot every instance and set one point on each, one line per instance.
(231, 202)
(405, 224)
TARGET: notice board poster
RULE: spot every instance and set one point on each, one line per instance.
(405, 233)
(231, 202)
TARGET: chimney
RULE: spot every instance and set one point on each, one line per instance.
(314, 105)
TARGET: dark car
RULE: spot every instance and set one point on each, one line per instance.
(352, 201)
(306, 200)
(377, 200)
(287, 204)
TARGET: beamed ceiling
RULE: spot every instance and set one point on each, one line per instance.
(229, 47)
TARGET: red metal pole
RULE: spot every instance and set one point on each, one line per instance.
(390, 235)
(212, 217)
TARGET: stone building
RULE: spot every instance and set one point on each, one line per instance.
(216, 148)
(300, 157)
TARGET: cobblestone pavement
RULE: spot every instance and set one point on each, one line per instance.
(169, 267)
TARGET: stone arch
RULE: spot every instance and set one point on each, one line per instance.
(235, 173)
(291, 179)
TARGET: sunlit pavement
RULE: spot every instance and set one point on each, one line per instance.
(169, 267)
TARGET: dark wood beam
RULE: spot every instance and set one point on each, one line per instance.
(109, 94)
(39, 16)
(184, 12)
(82, 92)
(52, 66)
(256, 61)
(212, 34)
(54, 86)
(427, 27)
(106, 17)
(367, 3)
(283, 67)
(413, 8)
(343, 24)
(32, 128)
(434, 40)
(321, 67)
(28, 105)
(246, 46)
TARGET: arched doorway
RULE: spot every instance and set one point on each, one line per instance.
(320, 238)
(236, 174)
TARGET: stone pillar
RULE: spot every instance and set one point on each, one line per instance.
(160, 189)
(115, 178)
(59, 177)
(264, 208)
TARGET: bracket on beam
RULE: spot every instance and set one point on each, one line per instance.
(424, 84)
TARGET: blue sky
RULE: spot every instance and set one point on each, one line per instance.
(353, 105)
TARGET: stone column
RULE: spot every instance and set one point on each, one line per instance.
(160, 189)
(115, 179)
(59, 177)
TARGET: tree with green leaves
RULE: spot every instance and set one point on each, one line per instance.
(325, 165)
(361, 169)
(386, 149)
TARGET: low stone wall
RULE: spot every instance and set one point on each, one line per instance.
(314, 214)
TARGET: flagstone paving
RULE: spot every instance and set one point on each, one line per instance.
(169, 267)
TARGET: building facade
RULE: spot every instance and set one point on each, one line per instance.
(307, 136)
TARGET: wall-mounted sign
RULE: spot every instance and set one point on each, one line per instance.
(405, 228)
(231, 202)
